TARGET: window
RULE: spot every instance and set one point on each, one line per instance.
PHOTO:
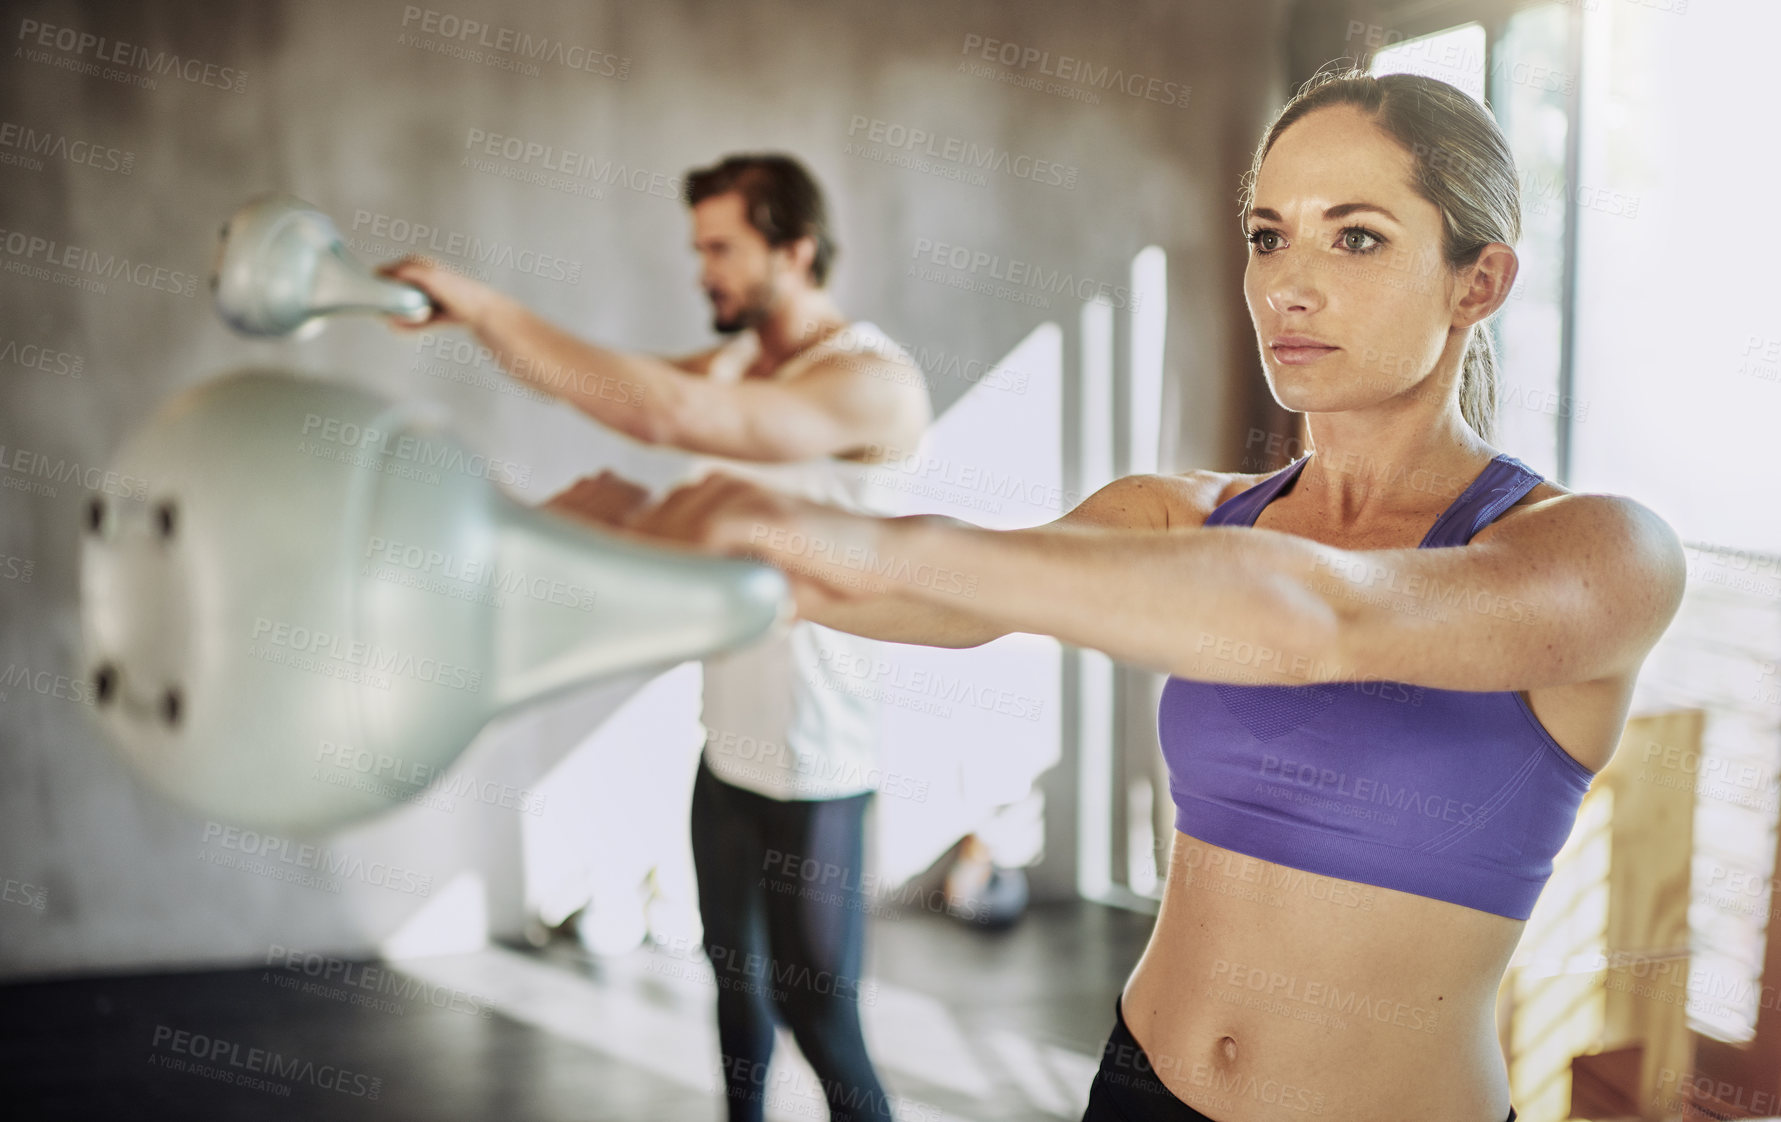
(1641, 354)
(1454, 56)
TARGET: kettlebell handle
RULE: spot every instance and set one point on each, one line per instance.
(281, 266)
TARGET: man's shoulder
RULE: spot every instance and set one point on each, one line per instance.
(865, 339)
(861, 350)
(723, 362)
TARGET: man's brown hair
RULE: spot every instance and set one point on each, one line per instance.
(779, 196)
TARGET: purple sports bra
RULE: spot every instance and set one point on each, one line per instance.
(1450, 794)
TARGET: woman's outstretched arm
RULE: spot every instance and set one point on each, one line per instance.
(1576, 588)
(897, 617)
(848, 594)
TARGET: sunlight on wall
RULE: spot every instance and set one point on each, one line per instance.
(977, 725)
(1454, 56)
(454, 921)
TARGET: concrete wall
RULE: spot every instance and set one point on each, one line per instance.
(128, 131)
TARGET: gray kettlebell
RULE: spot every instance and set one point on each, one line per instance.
(281, 265)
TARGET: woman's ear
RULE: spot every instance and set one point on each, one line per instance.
(1485, 284)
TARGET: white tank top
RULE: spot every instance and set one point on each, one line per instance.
(793, 716)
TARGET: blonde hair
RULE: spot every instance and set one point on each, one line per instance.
(1462, 165)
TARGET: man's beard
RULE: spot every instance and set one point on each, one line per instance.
(756, 303)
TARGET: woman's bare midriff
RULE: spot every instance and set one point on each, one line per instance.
(1269, 993)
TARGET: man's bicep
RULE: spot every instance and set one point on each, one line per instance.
(826, 412)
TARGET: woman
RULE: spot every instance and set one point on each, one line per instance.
(1393, 679)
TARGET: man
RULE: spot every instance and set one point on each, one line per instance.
(808, 400)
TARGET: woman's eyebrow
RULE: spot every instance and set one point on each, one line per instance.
(1340, 210)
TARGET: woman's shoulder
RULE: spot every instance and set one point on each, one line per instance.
(1155, 501)
(1182, 499)
(1215, 488)
(1191, 496)
(1550, 508)
(1616, 541)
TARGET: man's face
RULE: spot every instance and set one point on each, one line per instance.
(740, 273)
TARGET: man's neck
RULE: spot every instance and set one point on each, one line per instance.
(799, 323)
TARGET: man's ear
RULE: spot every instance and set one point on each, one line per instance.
(800, 255)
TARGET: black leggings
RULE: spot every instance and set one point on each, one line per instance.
(1126, 1088)
(783, 908)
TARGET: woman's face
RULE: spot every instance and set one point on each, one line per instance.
(1351, 300)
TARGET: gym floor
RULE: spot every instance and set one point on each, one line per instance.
(963, 1023)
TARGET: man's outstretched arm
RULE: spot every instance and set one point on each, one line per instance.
(840, 405)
